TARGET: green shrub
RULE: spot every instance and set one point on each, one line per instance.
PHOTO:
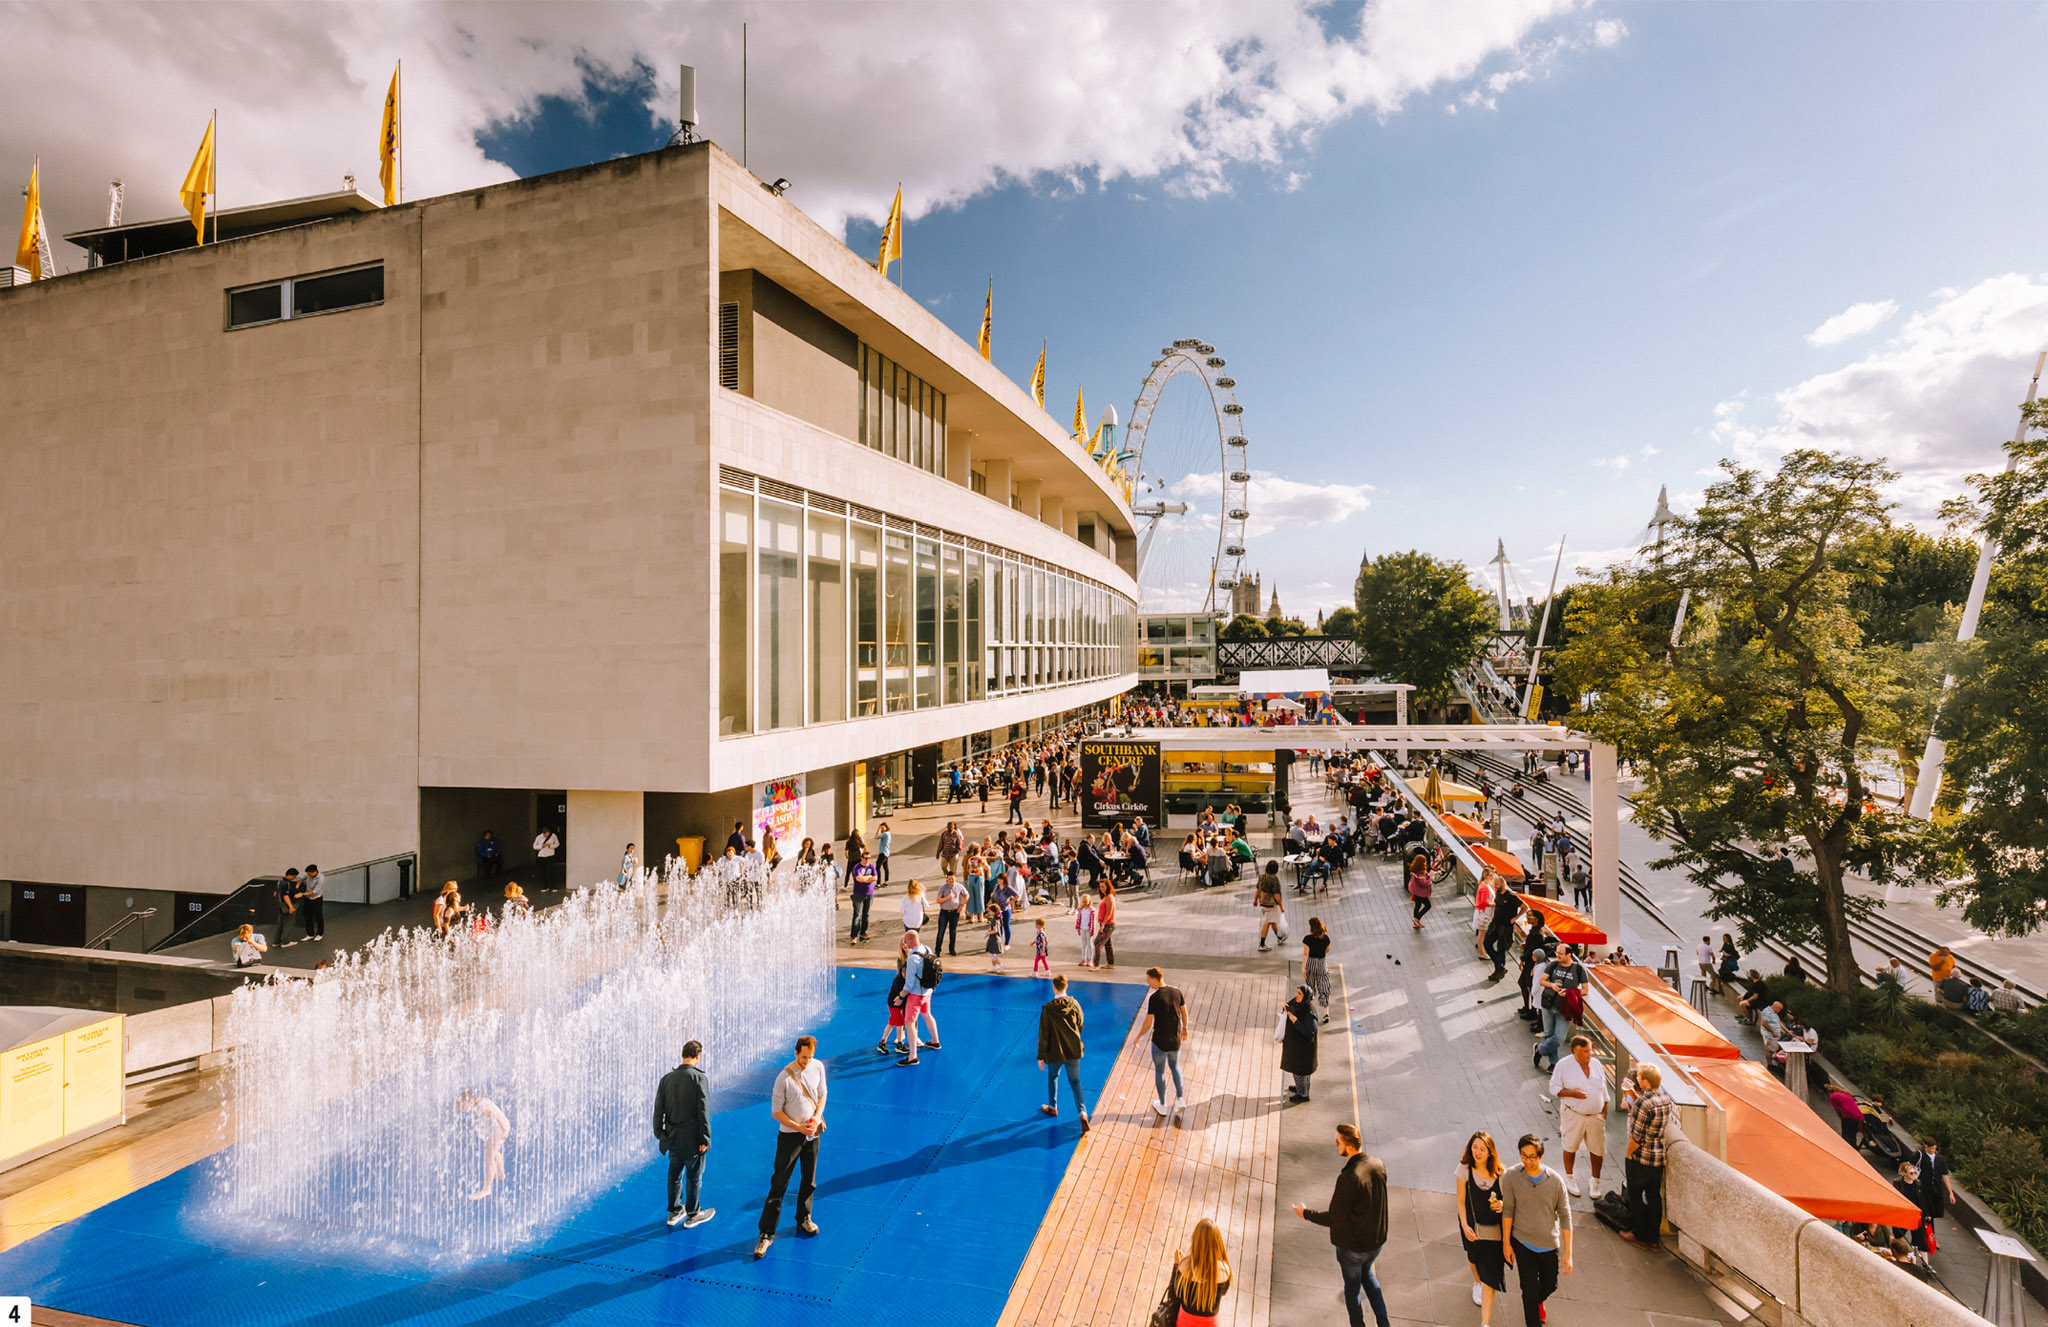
(1861, 1055)
(2009, 1171)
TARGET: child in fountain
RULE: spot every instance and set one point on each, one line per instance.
(494, 1129)
(995, 942)
(1084, 923)
(1041, 951)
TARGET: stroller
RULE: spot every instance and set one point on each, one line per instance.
(1877, 1137)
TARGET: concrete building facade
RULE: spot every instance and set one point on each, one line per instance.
(594, 499)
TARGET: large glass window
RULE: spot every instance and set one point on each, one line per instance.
(927, 624)
(975, 634)
(829, 674)
(902, 415)
(949, 625)
(897, 594)
(866, 569)
(735, 528)
(779, 614)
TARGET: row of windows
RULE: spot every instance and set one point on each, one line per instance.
(824, 616)
(901, 415)
(303, 296)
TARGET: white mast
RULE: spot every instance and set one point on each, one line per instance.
(1536, 659)
(1500, 559)
(1929, 782)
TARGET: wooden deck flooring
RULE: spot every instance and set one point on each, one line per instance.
(1137, 1184)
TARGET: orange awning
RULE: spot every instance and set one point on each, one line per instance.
(1463, 828)
(1777, 1141)
(1509, 865)
(1669, 1019)
(1565, 921)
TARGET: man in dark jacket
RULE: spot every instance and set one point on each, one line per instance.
(1358, 1224)
(1059, 1047)
(682, 1121)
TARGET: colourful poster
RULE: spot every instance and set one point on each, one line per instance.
(92, 1073)
(1119, 782)
(860, 797)
(779, 810)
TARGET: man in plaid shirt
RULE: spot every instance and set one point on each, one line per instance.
(1648, 1121)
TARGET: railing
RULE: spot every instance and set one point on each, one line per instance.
(1339, 652)
(243, 905)
(106, 937)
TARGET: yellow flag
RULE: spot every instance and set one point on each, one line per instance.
(1038, 378)
(29, 252)
(199, 183)
(387, 144)
(892, 236)
(1080, 418)
(988, 308)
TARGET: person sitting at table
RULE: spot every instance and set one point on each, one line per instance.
(1297, 836)
(1240, 853)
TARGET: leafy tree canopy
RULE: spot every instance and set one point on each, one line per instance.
(1996, 718)
(1762, 725)
(1420, 618)
(1243, 627)
(1343, 622)
(1924, 577)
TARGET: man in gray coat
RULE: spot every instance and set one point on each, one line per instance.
(682, 1122)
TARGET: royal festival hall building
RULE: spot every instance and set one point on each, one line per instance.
(603, 500)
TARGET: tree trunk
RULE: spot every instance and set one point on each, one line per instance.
(1840, 952)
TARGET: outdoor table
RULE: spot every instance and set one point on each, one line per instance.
(2003, 1298)
(1300, 862)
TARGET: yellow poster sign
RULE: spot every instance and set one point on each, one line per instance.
(1535, 701)
(31, 1096)
(860, 800)
(92, 1074)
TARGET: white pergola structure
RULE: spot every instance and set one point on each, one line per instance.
(1602, 799)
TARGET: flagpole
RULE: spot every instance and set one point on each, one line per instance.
(213, 172)
(400, 72)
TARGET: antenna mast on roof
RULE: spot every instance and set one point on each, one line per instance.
(686, 107)
(115, 190)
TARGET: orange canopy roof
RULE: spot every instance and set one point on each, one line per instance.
(1775, 1140)
(1565, 921)
(1509, 865)
(1463, 828)
(1671, 1021)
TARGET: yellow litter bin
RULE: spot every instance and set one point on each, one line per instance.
(691, 849)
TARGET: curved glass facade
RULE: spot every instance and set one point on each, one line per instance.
(829, 611)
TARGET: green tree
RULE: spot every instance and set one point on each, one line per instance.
(1996, 847)
(1927, 577)
(1762, 724)
(1419, 619)
(1276, 627)
(1243, 627)
(1560, 624)
(1343, 622)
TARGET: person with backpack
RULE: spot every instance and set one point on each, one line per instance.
(798, 1104)
(1562, 985)
(921, 973)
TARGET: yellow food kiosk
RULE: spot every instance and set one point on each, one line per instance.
(62, 1075)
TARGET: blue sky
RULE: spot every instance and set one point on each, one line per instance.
(1468, 310)
(1512, 265)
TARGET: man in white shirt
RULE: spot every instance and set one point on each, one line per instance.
(1580, 1085)
(798, 1102)
(1704, 956)
(545, 845)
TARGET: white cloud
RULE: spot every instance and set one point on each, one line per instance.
(1611, 462)
(1936, 401)
(1273, 503)
(1649, 450)
(846, 99)
(1851, 322)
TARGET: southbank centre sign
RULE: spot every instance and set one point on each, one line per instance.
(1119, 781)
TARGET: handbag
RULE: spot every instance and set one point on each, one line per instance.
(1167, 1313)
(796, 1078)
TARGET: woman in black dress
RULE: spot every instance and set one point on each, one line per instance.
(1298, 1042)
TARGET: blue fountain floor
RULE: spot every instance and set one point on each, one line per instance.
(931, 1184)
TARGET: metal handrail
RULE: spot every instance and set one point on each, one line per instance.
(107, 936)
(177, 937)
